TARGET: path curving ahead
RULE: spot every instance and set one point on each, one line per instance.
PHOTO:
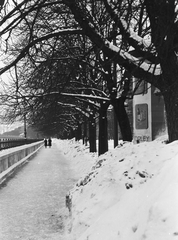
(32, 203)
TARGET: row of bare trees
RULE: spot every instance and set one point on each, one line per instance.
(68, 56)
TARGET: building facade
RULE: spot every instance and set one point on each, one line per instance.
(149, 121)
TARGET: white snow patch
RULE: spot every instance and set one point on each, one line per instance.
(130, 192)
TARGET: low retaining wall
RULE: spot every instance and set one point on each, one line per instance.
(13, 158)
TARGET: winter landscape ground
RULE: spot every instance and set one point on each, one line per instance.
(129, 193)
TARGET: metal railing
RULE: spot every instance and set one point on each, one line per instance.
(10, 143)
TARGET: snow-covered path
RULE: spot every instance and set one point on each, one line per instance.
(32, 203)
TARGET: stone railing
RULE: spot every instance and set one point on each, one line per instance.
(13, 158)
(9, 142)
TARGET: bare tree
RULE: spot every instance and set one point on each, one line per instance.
(139, 35)
(146, 33)
(39, 19)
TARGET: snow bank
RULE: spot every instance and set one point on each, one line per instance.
(131, 192)
(78, 155)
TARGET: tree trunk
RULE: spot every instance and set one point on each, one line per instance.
(171, 107)
(115, 131)
(122, 118)
(103, 130)
(78, 133)
(85, 132)
(169, 90)
(70, 134)
(92, 133)
(118, 103)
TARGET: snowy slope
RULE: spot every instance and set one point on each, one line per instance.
(131, 192)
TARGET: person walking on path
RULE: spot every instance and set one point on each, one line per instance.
(49, 142)
(45, 143)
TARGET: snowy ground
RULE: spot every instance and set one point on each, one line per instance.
(129, 193)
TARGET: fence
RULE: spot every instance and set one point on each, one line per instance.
(14, 158)
(11, 142)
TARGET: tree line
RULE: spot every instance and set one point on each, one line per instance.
(71, 59)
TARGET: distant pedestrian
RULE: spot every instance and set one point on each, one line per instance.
(45, 142)
(49, 142)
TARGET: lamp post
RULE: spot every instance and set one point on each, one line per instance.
(25, 127)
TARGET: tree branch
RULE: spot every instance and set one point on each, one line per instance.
(134, 65)
(31, 44)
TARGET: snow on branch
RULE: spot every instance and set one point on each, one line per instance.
(86, 96)
(154, 69)
(66, 104)
(134, 39)
(74, 106)
(132, 35)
